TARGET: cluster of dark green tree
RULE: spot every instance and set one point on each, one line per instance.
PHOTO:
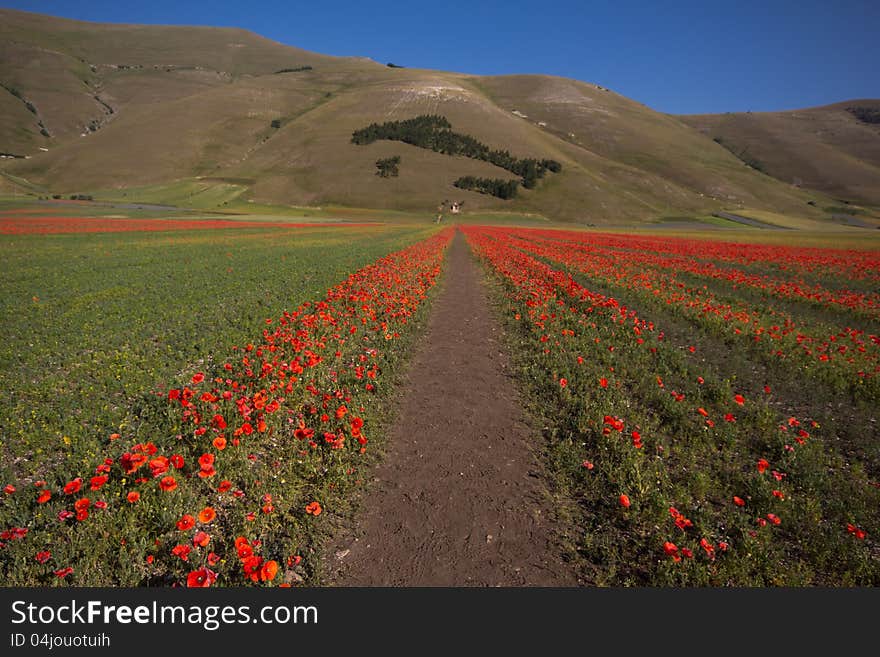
(865, 114)
(296, 69)
(434, 132)
(387, 168)
(504, 189)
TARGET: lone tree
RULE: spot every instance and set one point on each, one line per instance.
(388, 167)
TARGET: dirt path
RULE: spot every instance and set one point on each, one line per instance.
(460, 498)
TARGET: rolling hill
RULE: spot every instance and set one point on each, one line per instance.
(830, 148)
(216, 117)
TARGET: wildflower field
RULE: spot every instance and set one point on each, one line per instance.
(180, 404)
(710, 407)
(193, 403)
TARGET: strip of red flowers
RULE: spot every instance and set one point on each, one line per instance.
(686, 480)
(222, 480)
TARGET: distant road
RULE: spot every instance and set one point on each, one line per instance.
(849, 220)
(748, 221)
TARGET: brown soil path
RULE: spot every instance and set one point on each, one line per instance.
(460, 499)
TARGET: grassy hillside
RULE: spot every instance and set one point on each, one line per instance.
(202, 117)
(825, 148)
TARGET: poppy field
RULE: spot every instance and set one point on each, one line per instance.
(190, 403)
(27, 224)
(181, 405)
(709, 407)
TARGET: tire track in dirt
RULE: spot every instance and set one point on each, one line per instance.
(461, 498)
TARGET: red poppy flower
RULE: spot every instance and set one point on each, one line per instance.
(251, 566)
(268, 571)
(739, 399)
(207, 515)
(702, 411)
(603, 382)
(63, 572)
(856, 531)
(205, 473)
(672, 550)
(43, 556)
(177, 461)
(738, 501)
(201, 578)
(224, 486)
(97, 482)
(201, 539)
(624, 501)
(772, 517)
(72, 487)
(708, 547)
(9, 489)
(313, 509)
(763, 464)
(219, 442)
(44, 496)
(168, 484)
(181, 551)
(198, 378)
(186, 522)
(563, 382)
(159, 466)
(133, 497)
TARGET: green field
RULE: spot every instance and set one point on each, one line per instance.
(93, 323)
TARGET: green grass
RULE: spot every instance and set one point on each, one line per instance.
(100, 327)
(698, 221)
(196, 194)
(92, 323)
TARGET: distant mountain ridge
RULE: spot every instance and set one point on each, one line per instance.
(214, 116)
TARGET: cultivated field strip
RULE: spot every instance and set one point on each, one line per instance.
(683, 477)
(224, 477)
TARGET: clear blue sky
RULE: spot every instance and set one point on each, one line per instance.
(678, 57)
